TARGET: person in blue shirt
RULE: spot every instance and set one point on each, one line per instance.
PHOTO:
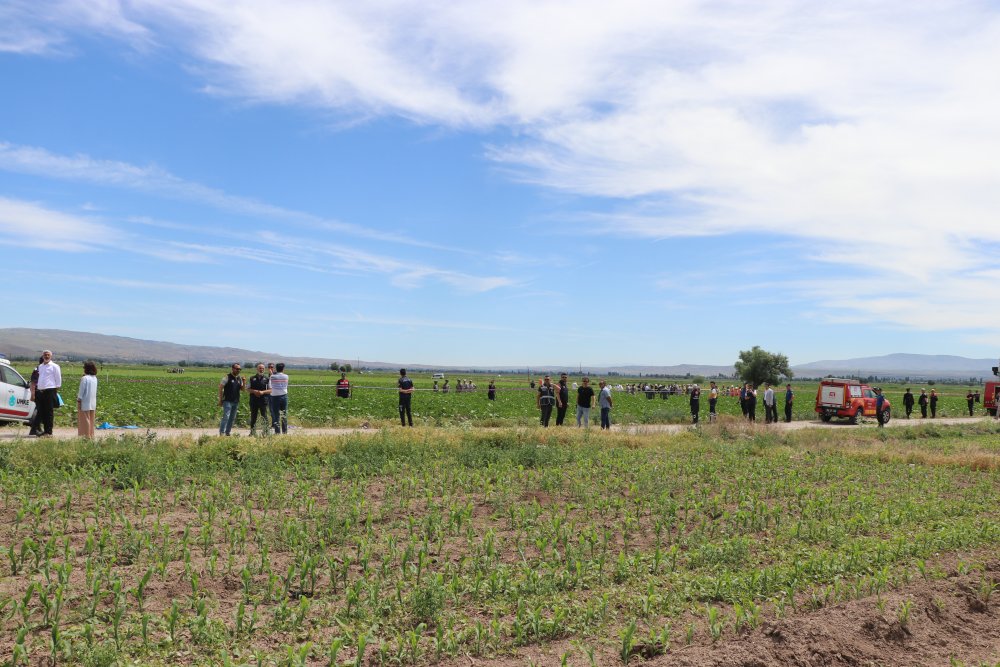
(879, 405)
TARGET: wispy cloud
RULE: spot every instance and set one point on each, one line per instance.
(33, 225)
(156, 180)
(30, 27)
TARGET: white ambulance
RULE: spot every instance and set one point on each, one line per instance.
(15, 396)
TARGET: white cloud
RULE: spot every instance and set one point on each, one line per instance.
(32, 225)
(870, 132)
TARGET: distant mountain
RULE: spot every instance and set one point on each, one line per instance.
(901, 365)
(78, 345)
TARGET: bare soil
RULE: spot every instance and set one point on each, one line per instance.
(947, 623)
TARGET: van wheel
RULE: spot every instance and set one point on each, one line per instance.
(886, 416)
(825, 418)
(857, 416)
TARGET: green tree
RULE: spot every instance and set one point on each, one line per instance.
(334, 366)
(347, 368)
(758, 366)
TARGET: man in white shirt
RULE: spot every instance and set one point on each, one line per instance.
(49, 382)
(279, 400)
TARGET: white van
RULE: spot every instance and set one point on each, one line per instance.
(438, 376)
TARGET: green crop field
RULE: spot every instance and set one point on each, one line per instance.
(148, 396)
(412, 547)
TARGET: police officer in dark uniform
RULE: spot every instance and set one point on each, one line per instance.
(258, 401)
(695, 402)
(545, 399)
(563, 400)
(923, 403)
(405, 394)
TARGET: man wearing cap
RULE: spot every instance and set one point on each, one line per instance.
(229, 398)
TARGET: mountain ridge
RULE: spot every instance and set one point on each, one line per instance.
(19, 342)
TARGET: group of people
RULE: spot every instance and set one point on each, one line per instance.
(923, 401)
(268, 397)
(551, 396)
(44, 385)
(268, 391)
(460, 386)
(748, 402)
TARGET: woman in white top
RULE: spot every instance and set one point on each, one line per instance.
(86, 401)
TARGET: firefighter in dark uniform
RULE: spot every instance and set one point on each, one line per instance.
(908, 402)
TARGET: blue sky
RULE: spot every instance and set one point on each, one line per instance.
(506, 183)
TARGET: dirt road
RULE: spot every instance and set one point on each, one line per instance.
(13, 432)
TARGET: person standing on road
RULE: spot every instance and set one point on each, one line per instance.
(46, 393)
(695, 402)
(713, 399)
(86, 401)
(259, 398)
(229, 398)
(879, 407)
(545, 399)
(770, 406)
(751, 401)
(33, 423)
(934, 402)
(584, 401)
(970, 398)
(923, 403)
(278, 400)
(604, 400)
(563, 400)
(405, 385)
(789, 399)
(908, 402)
